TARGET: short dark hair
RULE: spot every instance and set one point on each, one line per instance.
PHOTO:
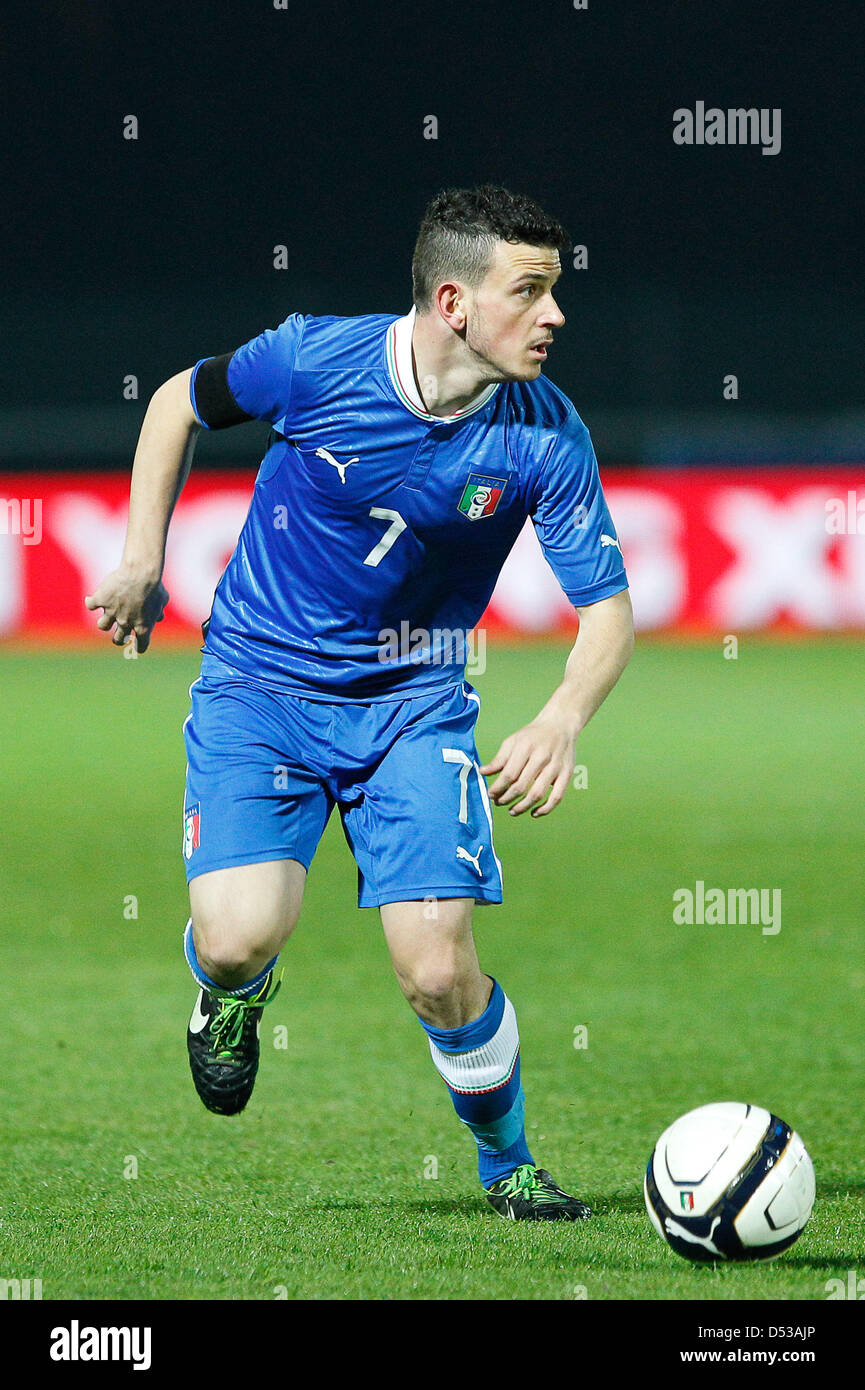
(460, 228)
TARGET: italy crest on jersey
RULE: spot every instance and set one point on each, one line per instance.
(481, 496)
(191, 830)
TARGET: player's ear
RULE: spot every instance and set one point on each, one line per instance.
(450, 301)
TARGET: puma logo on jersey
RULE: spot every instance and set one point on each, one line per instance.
(610, 540)
(329, 458)
(472, 858)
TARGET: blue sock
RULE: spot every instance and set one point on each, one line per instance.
(245, 991)
(480, 1065)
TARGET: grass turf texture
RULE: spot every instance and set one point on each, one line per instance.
(744, 773)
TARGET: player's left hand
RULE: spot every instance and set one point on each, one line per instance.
(536, 760)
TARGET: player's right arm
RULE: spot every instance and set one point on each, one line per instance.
(253, 383)
(132, 597)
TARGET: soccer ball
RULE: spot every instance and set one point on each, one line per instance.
(729, 1182)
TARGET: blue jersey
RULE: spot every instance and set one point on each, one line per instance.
(376, 530)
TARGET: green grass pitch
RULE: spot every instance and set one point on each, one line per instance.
(742, 773)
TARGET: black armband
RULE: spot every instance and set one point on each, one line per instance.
(211, 395)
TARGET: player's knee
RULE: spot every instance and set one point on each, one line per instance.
(227, 958)
(431, 985)
(243, 916)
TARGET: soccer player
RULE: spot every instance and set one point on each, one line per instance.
(405, 455)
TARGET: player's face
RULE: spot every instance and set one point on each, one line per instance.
(511, 316)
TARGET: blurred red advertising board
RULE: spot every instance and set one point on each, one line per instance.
(707, 551)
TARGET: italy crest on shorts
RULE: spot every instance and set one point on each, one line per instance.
(481, 496)
(191, 830)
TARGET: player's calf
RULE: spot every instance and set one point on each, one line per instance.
(223, 1034)
(475, 1046)
(243, 915)
(480, 1065)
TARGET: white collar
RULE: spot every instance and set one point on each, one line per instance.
(401, 370)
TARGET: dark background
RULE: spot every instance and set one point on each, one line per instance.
(304, 126)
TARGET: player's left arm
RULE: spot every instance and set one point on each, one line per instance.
(535, 765)
(578, 539)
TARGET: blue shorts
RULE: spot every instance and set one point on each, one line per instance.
(266, 768)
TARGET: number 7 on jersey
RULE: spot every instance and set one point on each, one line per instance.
(396, 528)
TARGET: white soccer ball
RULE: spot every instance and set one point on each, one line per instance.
(729, 1182)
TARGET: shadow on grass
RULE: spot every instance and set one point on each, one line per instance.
(844, 1260)
(626, 1202)
(621, 1202)
(840, 1189)
(439, 1206)
(474, 1207)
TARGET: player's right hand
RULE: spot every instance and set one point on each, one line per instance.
(134, 604)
